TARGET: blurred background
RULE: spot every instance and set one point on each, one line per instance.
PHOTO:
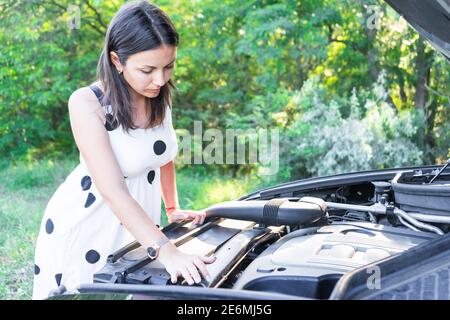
(348, 84)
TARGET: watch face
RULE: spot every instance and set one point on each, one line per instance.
(152, 252)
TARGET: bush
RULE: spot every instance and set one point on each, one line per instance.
(321, 141)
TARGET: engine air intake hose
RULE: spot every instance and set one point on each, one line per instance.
(275, 212)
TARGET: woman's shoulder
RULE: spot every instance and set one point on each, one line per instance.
(88, 92)
(84, 100)
(85, 94)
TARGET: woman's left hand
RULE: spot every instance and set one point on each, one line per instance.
(179, 215)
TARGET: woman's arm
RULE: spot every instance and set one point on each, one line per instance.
(170, 196)
(93, 142)
(169, 186)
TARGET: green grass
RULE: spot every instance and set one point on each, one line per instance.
(26, 188)
(24, 192)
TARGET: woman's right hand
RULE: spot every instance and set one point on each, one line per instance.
(191, 267)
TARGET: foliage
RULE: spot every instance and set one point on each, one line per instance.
(240, 63)
(377, 137)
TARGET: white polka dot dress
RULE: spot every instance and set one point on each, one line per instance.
(78, 230)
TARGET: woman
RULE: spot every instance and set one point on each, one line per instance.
(122, 126)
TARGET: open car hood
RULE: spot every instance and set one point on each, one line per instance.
(431, 18)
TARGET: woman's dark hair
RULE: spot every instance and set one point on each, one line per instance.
(137, 26)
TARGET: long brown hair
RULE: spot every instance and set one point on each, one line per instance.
(136, 27)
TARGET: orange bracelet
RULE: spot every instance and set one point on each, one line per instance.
(171, 208)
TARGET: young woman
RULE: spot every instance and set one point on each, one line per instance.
(122, 126)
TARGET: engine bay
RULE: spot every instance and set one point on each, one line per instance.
(302, 242)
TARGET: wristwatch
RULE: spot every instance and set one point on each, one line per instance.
(153, 250)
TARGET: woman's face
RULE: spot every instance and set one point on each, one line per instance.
(147, 71)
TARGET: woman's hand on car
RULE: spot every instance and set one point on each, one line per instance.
(191, 267)
(179, 215)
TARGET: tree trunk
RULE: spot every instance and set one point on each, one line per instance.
(422, 68)
(372, 53)
(423, 63)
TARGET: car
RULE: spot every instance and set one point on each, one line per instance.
(379, 234)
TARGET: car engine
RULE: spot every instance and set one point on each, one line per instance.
(301, 240)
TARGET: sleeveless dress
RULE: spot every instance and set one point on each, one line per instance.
(78, 230)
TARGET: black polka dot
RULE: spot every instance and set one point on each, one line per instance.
(86, 183)
(159, 147)
(151, 176)
(90, 200)
(125, 177)
(58, 278)
(37, 270)
(111, 124)
(92, 256)
(49, 226)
